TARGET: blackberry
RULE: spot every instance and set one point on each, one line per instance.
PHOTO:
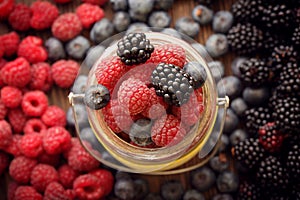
(271, 173)
(96, 96)
(281, 55)
(289, 80)
(287, 113)
(172, 83)
(296, 37)
(270, 137)
(276, 17)
(245, 38)
(248, 152)
(246, 10)
(248, 190)
(134, 48)
(256, 117)
(254, 72)
(293, 160)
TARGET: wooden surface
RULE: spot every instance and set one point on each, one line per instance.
(181, 8)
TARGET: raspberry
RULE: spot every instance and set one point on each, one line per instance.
(34, 103)
(3, 110)
(66, 27)
(157, 106)
(54, 116)
(79, 159)
(43, 15)
(55, 191)
(34, 126)
(56, 140)
(169, 54)
(11, 96)
(133, 95)
(116, 117)
(53, 160)
(11, 189)
(32, 49)
(67, 175)
(19, 18)
(41, 78)
(31, 145)
(10, 42)
(20, 169)
(4, 162)
(167, 130)
(27, 193)
(106, 179)
(109, 71)
(16, 73)
(89, 14)
(6, 6)
(17, 119)
(13, 147)
(96, 2)
(88, 187)
(42, 175)
(2, 50)
(5, 134)
(64, 72)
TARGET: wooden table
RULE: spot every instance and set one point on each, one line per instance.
(180, 8)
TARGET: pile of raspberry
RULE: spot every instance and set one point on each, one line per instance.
(38, 151)
(136, 112)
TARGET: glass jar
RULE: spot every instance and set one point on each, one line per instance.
(197, 146)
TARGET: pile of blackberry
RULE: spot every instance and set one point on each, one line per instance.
(271, 64)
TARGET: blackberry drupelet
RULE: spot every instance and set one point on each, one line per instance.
(249, 191)
(287, 113)
(249, 152)
(270, 137)
(293, 160)
(256, 117)
(254, 72)
(271, 173)
(245, 38)
(134, 48)
(246, 10)
(172, 83)
(296, 37)
(289, 80)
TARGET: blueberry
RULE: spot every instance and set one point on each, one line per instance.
(193, 195)
(141, 188)
(203, 178)
(219, 162)
(87, 134)
(231, 121)
(197, 72)
(101, 30)
(124, 189)
(108, 157)
(230, 86)
(172, 32)
(163, 4)
(79, 84)
(227, 181)
(188, 26)
(200, 48)
(81, 114)
(119, 5)
(235, 65)
(172, 190)
(202, 14)
(93, 55)
(217, 45)
(139, 9)
(140, 132)
(55, 49)
(222, 197)
(237, 136)
(224, 143)
(96, 96)
(152, 196)
(137, 16)
(239, 106)
(217, 69)
(159, 19)
(77, 47)
(121, 21)
(138, 27)
(222, 21)
(256, 96)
